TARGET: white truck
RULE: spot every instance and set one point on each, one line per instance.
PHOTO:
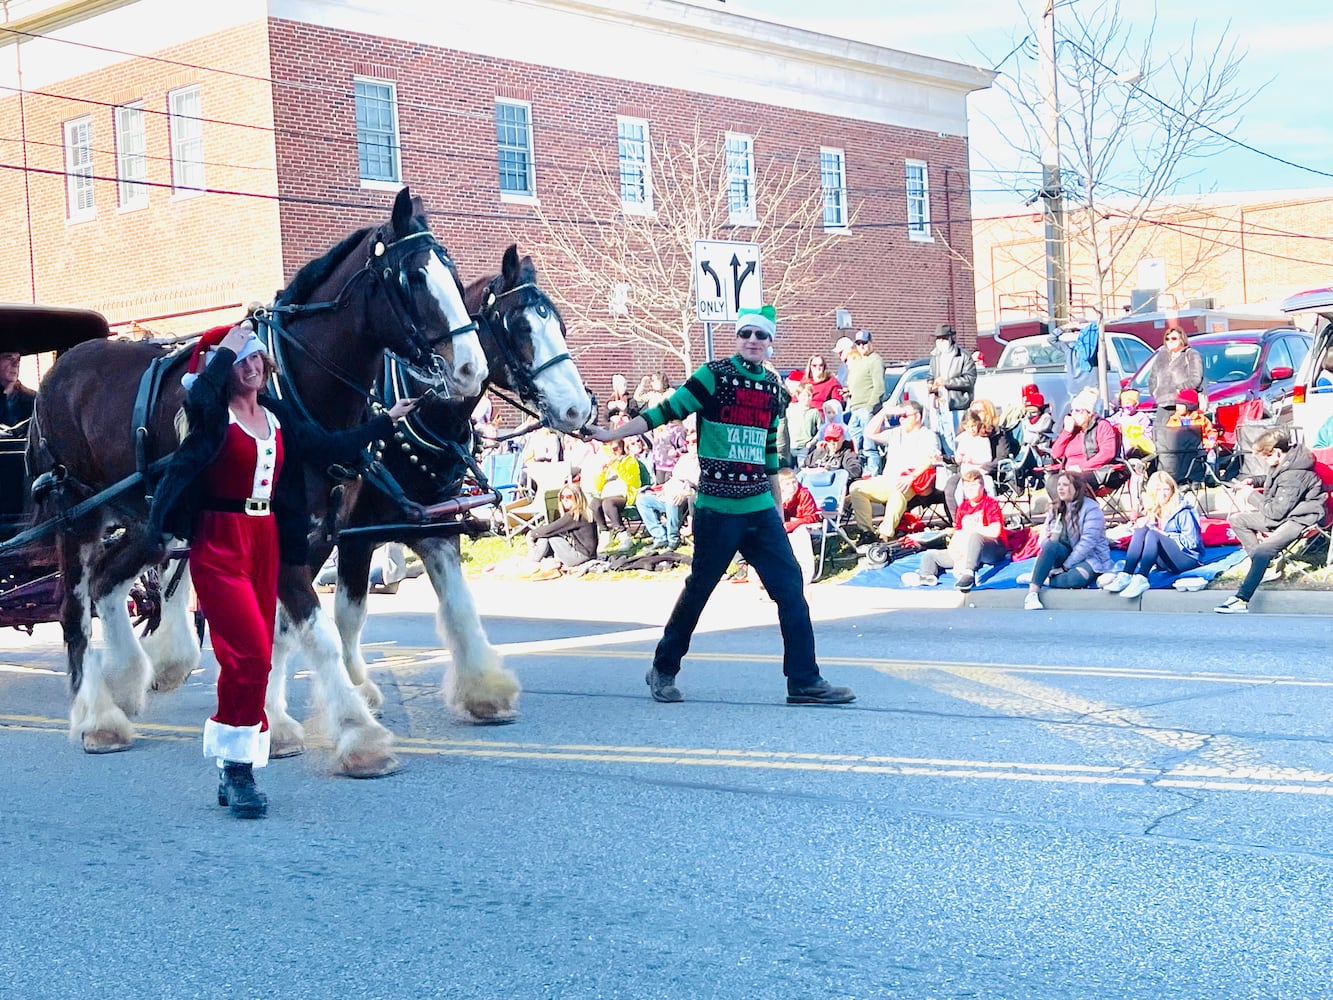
(1047, 363)
(1312, 398)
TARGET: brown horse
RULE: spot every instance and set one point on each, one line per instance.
(386, 288)
(524, 340)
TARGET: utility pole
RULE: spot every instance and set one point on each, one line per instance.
(1052, 194)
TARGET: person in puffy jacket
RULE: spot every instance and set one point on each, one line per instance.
(1168, 537)
(1087, 444)
(1074, 549)
(1292, 499)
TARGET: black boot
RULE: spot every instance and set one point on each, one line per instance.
(237, 789)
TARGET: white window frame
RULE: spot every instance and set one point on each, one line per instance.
(528, 197)
(741, 202)
(80, 196)
(187, 142)
(918, 224)
(395, 180)
(634, 158)
(833, 185)
(131, 157)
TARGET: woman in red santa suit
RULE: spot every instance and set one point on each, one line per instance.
(235, 490)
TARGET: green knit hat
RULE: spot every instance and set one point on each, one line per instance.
(764, 318)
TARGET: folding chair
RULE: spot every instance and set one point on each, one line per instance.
(545, 480)
(1312, 536)
(927, 500)
(829, 488)
(501, 471)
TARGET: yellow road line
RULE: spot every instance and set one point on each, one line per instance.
(1290, 781)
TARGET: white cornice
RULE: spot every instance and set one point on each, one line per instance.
(678, 45)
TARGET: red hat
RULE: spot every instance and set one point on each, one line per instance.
(210, 339)
(834, 431)
(1032, 396)
(795, 375)
(1190, 397)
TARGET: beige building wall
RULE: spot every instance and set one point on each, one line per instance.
(1247, 250)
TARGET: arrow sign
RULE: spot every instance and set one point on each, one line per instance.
(718, 301)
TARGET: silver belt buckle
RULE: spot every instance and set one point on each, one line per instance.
(256, 508)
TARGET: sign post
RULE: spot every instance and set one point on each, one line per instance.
(727, 278)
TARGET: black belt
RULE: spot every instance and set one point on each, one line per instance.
(247, 505)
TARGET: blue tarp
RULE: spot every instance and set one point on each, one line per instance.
(1005, 577)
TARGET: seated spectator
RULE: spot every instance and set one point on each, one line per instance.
(802, 428)
(1074, 550)
(1292, 498)
(640, 448)
(666, 443)
(910, 449)
(971, 450)
(799, 511)
(1088, 445)
(1135, 427)
(978, 539)
(1001, 441)
(1036, 433)
(1167, 537)
(664, 508)
(614, 487)
(1187, 436)
(835, 451)
(620, 405)
(568, 541)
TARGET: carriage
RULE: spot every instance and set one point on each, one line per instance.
(29, 580)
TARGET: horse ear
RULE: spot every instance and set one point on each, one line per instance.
(402, 212)
(509, 266)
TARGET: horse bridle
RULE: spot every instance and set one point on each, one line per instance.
(523, 379)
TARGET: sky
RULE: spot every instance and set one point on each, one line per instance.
(1286, 44)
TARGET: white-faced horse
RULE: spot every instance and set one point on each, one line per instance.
(524, 340)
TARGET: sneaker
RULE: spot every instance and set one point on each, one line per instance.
(1120, 582)
(911, 579)
(929, 581)
(1138, 586)
(1024, 579)
(965, 582)
(819, 692)
(1233, 606)
(663, 686)
(1033, 602)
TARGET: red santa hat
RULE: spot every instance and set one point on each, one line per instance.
(1189, 397)
(1032, 396)
(209, 340)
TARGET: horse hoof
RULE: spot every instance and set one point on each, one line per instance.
(279, 749)
(492, 720)
(105, 741)
(370, 764)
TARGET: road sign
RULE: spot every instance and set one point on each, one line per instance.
(727, 278)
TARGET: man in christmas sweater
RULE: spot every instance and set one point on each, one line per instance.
(737, 402)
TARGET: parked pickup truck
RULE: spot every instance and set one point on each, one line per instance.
(1042, 361)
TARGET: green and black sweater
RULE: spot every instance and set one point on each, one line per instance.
(738, 406)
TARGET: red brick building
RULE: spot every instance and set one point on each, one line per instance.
(157, 162)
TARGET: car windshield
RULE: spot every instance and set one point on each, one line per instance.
(1022, 354)
(1223, 363)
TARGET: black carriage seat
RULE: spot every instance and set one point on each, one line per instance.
(11, 481)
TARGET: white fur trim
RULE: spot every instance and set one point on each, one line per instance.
(238, 744)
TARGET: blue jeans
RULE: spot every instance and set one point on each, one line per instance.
(762, 542)
(662, 519)
(857, 421)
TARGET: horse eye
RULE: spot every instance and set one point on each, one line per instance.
(542, 309)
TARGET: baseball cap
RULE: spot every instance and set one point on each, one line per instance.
(1190, 397)
(863, 337)
(843, 345)
(834, 432)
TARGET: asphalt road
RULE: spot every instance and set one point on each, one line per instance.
(1018, 805)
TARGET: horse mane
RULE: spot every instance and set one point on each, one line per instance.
(315, 273)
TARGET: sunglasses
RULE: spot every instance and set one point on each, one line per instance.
(747, 333)
(1173, 340)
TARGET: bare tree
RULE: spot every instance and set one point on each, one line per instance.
(1135, 129)
(628, 275)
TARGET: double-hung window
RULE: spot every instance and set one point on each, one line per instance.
(636, 184)
(187, 141)
(833, 181)
(918, 201)
(741, 208)
(513, 140)
(79, 202)
(377, 149)
(131, 157)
